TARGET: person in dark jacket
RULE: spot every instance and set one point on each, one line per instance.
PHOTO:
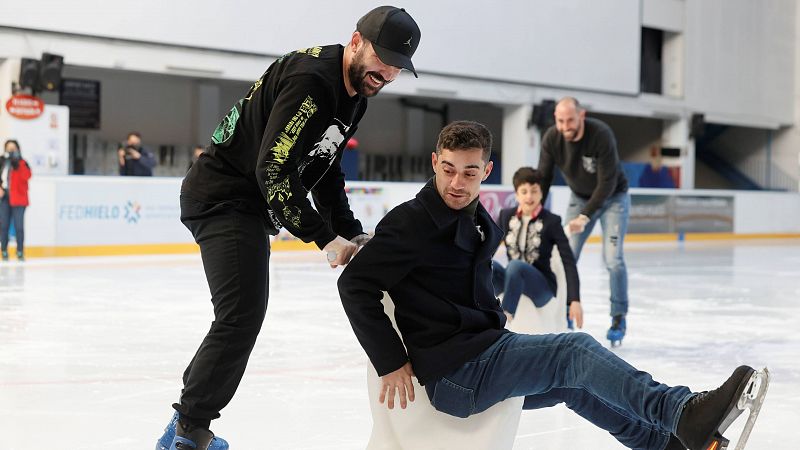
(531, 232)
(135, 159)
(282, 141)
(586, 152)
(432, 254)
(14, 176)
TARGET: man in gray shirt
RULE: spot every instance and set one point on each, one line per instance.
(586, 152)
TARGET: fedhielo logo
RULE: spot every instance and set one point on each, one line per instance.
(132, 211)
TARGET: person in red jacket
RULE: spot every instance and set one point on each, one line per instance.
(14, 176)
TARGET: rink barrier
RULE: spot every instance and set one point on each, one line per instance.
(297, 245)
(99, 216)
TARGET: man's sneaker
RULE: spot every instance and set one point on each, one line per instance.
(166, 441)
(20, 256)
(5, 255)
(617, 330)
(708, 414)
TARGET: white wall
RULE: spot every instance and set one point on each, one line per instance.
(740, 60)
(519, 40)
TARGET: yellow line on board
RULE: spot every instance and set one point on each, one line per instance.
(294, 245)
(109, 250)
(725, 236)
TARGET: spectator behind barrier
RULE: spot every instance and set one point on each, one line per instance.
(655, 174)
(135, 159)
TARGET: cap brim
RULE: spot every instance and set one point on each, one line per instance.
(393, 58)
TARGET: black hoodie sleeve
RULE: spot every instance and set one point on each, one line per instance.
(299, 116)
(385, 260)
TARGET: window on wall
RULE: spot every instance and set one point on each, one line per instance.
(651, 61)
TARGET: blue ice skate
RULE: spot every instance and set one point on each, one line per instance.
(617, 330)
(166, 441)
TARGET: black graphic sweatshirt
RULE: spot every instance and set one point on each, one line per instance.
(284, 140)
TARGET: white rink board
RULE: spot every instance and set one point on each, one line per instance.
(87, 210)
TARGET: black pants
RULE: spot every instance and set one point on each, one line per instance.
(234, 245)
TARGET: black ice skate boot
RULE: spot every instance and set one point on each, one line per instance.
(189, 437)
(708, 414)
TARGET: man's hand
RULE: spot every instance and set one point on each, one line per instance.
(576, 313)
(339, 251)
(398, 382)
(2, 192)
(121, 155)
(134, 154)
(578, 224)
(361, 239)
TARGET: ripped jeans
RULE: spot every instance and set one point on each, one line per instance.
(613, 217)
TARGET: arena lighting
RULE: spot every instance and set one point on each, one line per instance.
(29, 74)
(50, 72)
(543, 114)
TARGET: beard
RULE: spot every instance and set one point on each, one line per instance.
(359, 80)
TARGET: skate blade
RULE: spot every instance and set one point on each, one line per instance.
(752, 398)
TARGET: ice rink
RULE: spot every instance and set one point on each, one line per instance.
(92, 349)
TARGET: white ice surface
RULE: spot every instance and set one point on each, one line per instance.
(92, 349)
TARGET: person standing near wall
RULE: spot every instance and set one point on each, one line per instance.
(284, 140)
(655, 174)
(134, 158)
(585, 150)
(14, 176)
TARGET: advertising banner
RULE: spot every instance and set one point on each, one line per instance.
(115, 212)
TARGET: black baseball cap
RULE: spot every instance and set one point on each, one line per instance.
(393, 33)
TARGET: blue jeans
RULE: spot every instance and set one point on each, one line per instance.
(517, 279)
(570, 368)
(613, 217)
(10, 213)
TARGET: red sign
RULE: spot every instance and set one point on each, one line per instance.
(25, 107)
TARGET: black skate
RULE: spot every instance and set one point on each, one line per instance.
(708, 414)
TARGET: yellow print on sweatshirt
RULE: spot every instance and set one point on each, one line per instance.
(292, 215)
(281, 190)
(307, 109)
(311, 51)
(288, 137)
(254, 88)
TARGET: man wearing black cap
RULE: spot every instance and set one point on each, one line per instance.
(283, 140)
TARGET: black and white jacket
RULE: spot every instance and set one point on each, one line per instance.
(543, 233)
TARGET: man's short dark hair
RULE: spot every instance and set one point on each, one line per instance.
(464, 135)
(134, 133)
(526, 175)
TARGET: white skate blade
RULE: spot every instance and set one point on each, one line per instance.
(752, 398)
